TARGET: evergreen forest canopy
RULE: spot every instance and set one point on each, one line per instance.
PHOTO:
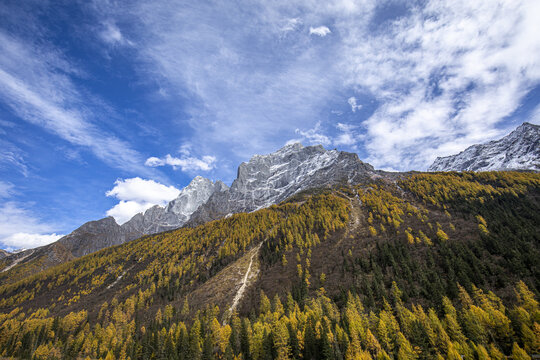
(423, 266)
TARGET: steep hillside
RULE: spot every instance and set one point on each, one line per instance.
(96, 235)
(263, 181)
(415, 267)
(4, 253)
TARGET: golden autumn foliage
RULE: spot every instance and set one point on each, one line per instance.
(131, 301)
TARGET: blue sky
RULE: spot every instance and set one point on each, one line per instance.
(108, 107)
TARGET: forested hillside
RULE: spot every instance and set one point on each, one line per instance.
(423, 266)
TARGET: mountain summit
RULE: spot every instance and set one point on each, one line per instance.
(269, 179)
(519, 150)
(177, 212)
(263, 181)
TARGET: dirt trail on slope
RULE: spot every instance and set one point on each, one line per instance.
(357, 218)
(242, 289)
(17, 261)
(229, 284)
(119, 278)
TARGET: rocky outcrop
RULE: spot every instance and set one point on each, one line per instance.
(93, 236)
(262, 181)
(270, 179)
(520, 150)
(4, 253)
(176, 213)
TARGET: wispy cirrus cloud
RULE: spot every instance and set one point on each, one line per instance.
(36, 84)
(11, 157)
(6, 189)
(314, 136)
(442, 75)
(111, 34)
(346, 135)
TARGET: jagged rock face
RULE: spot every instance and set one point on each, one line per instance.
(261, 182)
(176, 213)
(99, 234)
(269, 179)
(93, 236)
(4, 253)
(519, 150)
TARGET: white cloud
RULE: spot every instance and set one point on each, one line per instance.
(28, 241)
(293, 141)
(321, 31)
(112, 35)
(534, 118)
(315, 136)
(353, 104)
(141, 190)
(125, 210)
(344, 139)
(20, 229)
(345, 127)
(291, 24)
(186, 163)
(346, 136)
(137, 195)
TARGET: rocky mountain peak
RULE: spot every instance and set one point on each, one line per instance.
(283, 168)
(519, 150)
(268, 179)
(191, 197)
(262, 181)
(93, 236)
(176, 213)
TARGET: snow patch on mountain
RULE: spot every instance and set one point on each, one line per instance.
(269, 179)
(519, 150)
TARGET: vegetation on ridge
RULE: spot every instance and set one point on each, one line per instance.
(431, 266)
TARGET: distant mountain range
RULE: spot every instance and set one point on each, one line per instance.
(349, 255)
(263, 181)
(266, 180)
(519, 150)
(388, 266)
